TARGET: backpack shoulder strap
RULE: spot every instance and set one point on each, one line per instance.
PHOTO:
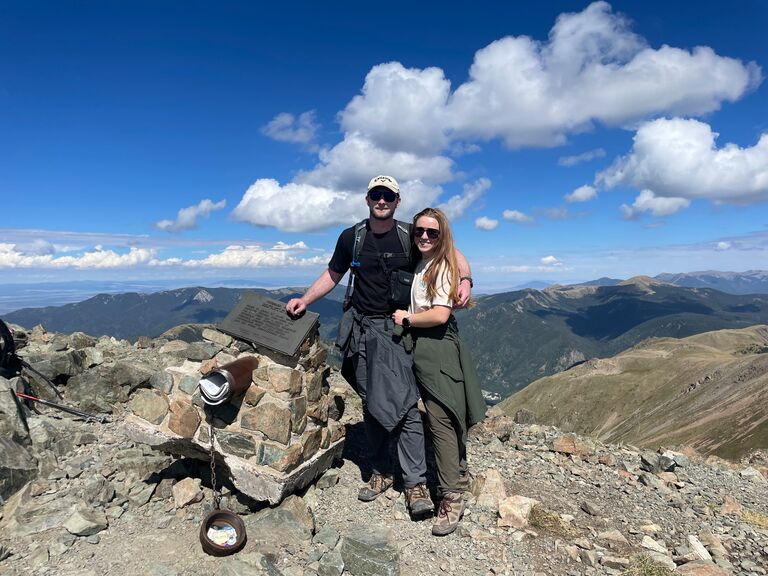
(404, 230)
(360, 230)
(357, 247)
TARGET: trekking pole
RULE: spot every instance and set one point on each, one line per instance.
(26, 365)
(100, 419)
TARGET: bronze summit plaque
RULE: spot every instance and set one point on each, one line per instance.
(264, 322)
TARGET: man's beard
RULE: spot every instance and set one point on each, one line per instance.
(377, 216)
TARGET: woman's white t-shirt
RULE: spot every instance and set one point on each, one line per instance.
(419, 299)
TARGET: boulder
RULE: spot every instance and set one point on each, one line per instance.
(514, 511)
(150, 405)
(17, 467)
(371, 551)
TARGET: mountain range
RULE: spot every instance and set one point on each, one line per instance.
(521, 336)
(515, 337)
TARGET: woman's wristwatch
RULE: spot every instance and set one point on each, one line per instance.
(406, 322)
(471, 284)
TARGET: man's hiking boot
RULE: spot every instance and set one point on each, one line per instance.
(418, 500)
(376, 485)
(448, 514)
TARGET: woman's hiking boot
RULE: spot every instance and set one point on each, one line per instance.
(378, 484)
(418, 500)
(449, 513)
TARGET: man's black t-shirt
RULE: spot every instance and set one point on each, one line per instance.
(370, 293)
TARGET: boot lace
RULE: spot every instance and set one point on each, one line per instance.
(418, 491)
(445, 508)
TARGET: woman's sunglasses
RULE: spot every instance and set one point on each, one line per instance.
(377, 193)
(432, 233)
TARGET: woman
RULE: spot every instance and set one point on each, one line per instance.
(444, 371)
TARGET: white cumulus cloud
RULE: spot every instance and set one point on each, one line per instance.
(581, 194)
(551, 261)
(238, 256)
(401, 109)
(456, 205)
(97, 258)
(286, 127)
(485, 223)
(647, 201)
(721, 246)
(592, 69)
(678, 158)
(186, 219)
(516, 216)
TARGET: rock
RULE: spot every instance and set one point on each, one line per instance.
(184, 418)
(186, 492)
(86, 521)
(731, 506)
(17, 467)
(326, 536)
(488, 489)
(752, 474)
(331, 564)
(140, 493)
(199, 351)
(698, 549)
(370, 551)
(150, 405)
(650, 544)
(615, 562)
(702, 568)
(651, 480)
(590, 508)
(714, 545)
(284, 379)
(589, 557)
(514, 511)
(217, 337)
(253, 395)
(11, 413)
(613, 536)
(98, 491)
(80, 340)
(189, 382)
(523, 416)
(241, 445)
(175, 348)
(328, 480)
(649, 461)
(572, 444)
(271, 417)
(291, 521)
(298, 408)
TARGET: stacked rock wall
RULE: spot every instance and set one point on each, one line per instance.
(274, 439)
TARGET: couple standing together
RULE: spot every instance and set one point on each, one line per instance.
(393, 356)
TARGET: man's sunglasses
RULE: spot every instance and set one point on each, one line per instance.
(377, 193)
(432, 233)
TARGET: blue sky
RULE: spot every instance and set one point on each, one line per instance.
(201, 141)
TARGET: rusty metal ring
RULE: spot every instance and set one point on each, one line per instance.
(219, 518)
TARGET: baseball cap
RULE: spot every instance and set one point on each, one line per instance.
(386, 182)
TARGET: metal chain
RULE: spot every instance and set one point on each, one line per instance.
(216, 493)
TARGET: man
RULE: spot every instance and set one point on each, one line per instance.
(377, 362)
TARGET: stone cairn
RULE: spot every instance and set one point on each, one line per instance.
(271, 441)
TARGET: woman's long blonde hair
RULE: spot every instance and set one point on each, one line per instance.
(444, 256)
